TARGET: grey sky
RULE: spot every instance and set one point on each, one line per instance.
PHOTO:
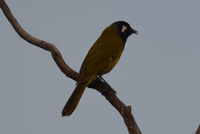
(158, 74)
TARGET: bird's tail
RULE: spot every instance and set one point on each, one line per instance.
(74, 99)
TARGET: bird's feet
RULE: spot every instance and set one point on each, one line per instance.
(106, 89)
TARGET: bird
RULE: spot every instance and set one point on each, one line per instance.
(100, 59)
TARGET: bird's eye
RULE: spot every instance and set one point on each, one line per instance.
(124, 28)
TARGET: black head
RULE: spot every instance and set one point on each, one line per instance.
(124, 29)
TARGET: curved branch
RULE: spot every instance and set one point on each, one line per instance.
(101, 86)
(39, 43)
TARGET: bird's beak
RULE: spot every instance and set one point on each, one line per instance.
(134, 31)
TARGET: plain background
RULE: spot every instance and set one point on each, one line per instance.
(158, 74)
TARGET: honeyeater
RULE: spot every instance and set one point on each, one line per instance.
(101, 58)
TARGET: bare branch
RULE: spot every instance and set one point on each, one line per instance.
(39, 43)
(102, 87)
(198, 130)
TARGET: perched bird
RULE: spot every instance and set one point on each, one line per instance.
(101, 58)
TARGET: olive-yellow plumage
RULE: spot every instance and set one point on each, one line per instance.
(101, 58)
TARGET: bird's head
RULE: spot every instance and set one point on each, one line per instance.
(124, 29)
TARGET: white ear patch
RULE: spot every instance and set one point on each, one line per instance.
(124, 28)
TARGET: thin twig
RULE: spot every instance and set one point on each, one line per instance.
(102, 87)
